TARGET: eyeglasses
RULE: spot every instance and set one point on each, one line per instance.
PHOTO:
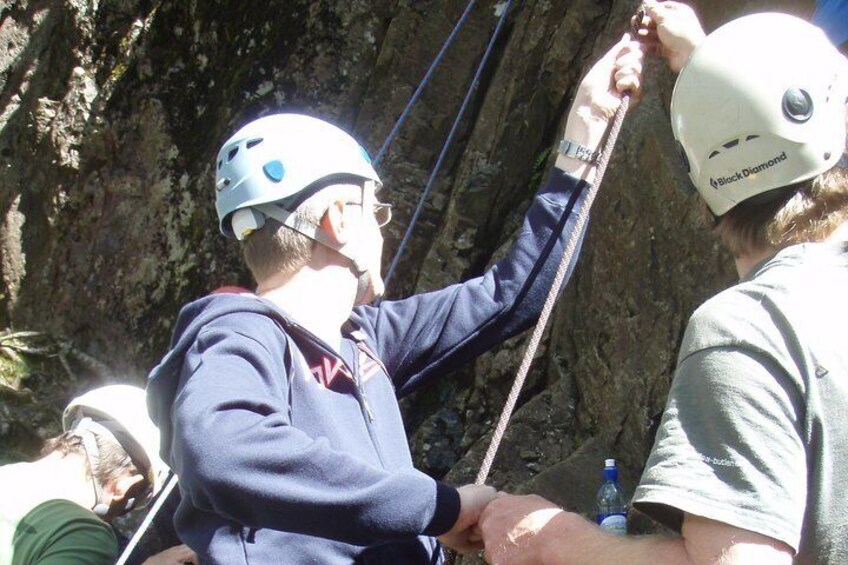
(382, 212)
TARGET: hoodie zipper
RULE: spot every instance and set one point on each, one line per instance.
(363, 402)
(365, 407)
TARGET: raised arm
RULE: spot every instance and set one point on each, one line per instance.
(428, 334)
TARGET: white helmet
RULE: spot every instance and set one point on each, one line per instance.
(122, 410)
(283, 159)
(760, 105)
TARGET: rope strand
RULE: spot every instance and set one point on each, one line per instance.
(539, 329)
(454, 128)
(417, 94)
(570, 250)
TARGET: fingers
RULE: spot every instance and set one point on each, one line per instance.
(625, 52)
(627, 72)
(671, 29)
(469, 547)
(627, 76)
(473, 499)
(656, 10)
(465, 541)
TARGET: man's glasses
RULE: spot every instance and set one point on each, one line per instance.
(382, 212)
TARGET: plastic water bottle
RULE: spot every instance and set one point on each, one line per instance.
(612, 513)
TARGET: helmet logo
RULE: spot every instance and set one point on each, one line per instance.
(797, 105)
(274, 170)
(721, 181)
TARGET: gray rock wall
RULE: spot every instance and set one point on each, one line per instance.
(110, 116)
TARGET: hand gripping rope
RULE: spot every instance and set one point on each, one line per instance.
(570, 248)
(562, 270)
(172, 481)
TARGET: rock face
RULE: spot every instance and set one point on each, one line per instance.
(111, 113)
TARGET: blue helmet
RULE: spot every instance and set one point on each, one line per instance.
(283, 159)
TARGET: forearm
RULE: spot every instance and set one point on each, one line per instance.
(587, 130)
(430, 334)
(568, 539)
(596, 102)
(578, 541)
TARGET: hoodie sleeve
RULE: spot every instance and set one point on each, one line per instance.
(238, 456)
(428, 334)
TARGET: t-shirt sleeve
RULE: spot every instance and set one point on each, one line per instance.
(63, 533)
(729, 447)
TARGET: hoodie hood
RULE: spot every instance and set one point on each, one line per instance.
(164, 379)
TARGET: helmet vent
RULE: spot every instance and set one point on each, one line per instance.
(731, 144)
(233, 152)
(274, 170)
(797, 105)
(220, 164)
(253, 143)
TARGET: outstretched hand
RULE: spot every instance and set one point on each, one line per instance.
(598, 97)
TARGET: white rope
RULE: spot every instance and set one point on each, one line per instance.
(163, 496)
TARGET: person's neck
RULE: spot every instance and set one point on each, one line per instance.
(317, 299)
(747, 261)
(63, 477)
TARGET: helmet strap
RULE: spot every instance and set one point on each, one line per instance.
(294, 221)
(87, 430)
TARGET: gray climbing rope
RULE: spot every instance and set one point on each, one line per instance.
(569, 251)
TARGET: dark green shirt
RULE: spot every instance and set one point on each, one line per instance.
(60, 532)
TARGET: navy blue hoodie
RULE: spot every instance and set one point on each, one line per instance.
(290, 453)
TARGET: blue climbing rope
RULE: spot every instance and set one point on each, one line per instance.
(454, 128)
(417, 94)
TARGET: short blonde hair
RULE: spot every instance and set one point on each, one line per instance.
(806, 212)
(276, 248)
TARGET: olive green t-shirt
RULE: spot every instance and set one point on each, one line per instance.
(39, 526)
(60, 532)
(754, 433)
